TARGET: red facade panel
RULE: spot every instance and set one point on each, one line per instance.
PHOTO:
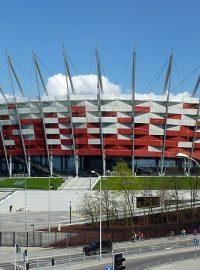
(125, 131)
(124, 120)
(155, 121)
(142, 109)
(190, 106)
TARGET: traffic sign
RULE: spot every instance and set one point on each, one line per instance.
(108, 268)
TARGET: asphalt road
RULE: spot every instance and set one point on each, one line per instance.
(142, 263)
(137, 255)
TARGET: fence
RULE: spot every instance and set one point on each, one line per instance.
(27, 239)
(85, 233)
(139, 251)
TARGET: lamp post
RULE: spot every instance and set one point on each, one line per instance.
(70, 212)
(49, 207)
(33, 226)
(25, 225)
(182, 155)
(100, 230)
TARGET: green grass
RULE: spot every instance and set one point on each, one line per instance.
(153, 183)
(31, 183)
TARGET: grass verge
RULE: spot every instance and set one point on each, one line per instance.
(32, 183)
(153, 183)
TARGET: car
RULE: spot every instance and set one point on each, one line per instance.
(94, 247)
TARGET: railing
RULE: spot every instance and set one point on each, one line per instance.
(139, 250)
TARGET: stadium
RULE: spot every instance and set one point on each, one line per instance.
(74, 134)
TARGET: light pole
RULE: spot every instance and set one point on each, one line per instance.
(25, 225)
(49, 207)
(33, 226)
(182, 155)
(70, 212)
(100, 231)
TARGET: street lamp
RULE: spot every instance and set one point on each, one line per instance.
(25, 221)
(49, 207)
(182, 155)
(100, 231)
(70, 212)
(33, 226)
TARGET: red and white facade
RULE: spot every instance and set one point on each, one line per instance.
(151, 127)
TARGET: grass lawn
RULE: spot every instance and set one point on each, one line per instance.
(31, 183)
(153, 183)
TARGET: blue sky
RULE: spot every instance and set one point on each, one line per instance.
(116, 26)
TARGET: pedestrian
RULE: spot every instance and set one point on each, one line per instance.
(138, 236)
(141, 236)
(134, 237)
(183, 233)
(195, 232)
(171, 235)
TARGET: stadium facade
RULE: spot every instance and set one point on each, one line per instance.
(75, 134)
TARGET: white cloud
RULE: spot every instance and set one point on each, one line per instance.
(83, 85)
(8, 96)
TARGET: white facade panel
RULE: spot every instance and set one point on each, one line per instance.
(9, 122)
(124, 125)
(54, 141)
(66, 147)
(28, 131)
(49, 109)
(35, 110)
(189, 122)
(94, 141)
(173, 121)
(50, 120)
(109, 130)
(109, 119)
(52, 131)
(154, 149)
(145, 118)
(124, 107)
(4, 112)
(174, 128)
(157, 109)
(79, 119)
(92, 119)
(16, 132)
(155, 130)
(24, 110)
(66, 136)
(157, 116)
(93, 130)
(62, 109)
(185, 144)
(9, 142)
(124, 137)
(64, 125)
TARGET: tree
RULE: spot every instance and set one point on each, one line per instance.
(122, 169)
(165, 202)
(109, 206)
(128, 187)
(194, 187)
(148, 199)
(89, 207)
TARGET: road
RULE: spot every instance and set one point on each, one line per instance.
(137, 254)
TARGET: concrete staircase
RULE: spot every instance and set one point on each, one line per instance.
(79, 183)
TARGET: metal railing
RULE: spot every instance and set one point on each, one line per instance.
(147, 252)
